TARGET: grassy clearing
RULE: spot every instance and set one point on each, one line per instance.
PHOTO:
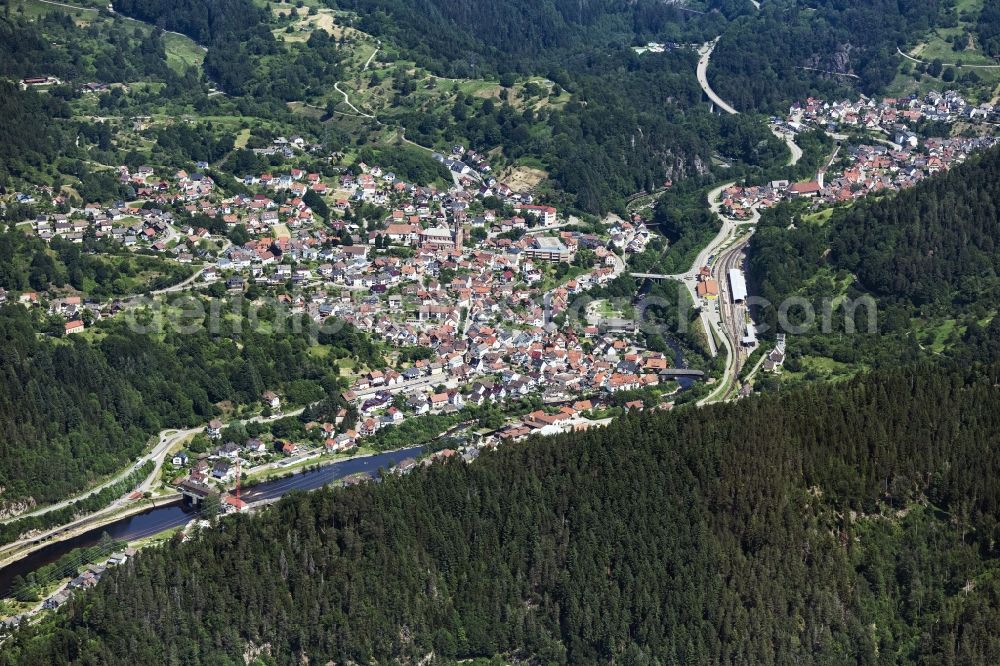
(182, 52)
(815, 368)
(83, 14)
(943, 333)
(523, 178)
(819, 217)
(242, 138)
(939, 44)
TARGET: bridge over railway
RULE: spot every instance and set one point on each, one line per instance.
(675, 373)
(656, 276)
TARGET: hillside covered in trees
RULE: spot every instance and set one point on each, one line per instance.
(73, 410)
(96, 267)
(29, 139)
(54, 45)
(523, 35)
(759, 62)
(632, 124)
(927, 256)
(932, 244)
(853, 522)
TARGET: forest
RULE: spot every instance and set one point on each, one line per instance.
(852, 522)
(988, 29)
(633, 124)
(54, 45)
(500, 36)
(758, 63)
(74, 409)
(235, 33)
(931, 245)
(29, 139)
(927, 255)
(97, 268)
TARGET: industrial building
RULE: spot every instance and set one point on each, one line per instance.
(737, 285)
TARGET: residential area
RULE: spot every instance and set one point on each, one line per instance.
(881, 147)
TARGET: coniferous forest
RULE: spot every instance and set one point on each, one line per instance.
(73, 411)
(849, 523)
(926, 256)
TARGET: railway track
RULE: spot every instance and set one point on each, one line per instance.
(731, 315)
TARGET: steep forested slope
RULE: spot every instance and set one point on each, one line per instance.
(54, 45)
(72, 411)
(850, 523)
(235, 32)
(988, 29)
(453, 36)
(99, 268)
(632, 124)
(758, 63)
(202, 20)
(29, 139)
(934, 244)
(927, 257)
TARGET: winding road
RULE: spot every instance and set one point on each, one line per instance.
(372, 56)
(790, 142)
(347, 101)
(112, 10)
(166, 441)
(944, 64)
(704, 55)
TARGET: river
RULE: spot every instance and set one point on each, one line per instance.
(679, 362)
(175, 514)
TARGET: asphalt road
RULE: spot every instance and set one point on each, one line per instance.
(704, 54)
(157, 453)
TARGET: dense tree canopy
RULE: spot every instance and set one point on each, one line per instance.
(54, 45)
(925, 257)
(29, 139)
(74, 410)
(517, 35)
(932, 244)
(839, 524)
(759, 62)
(98, 268)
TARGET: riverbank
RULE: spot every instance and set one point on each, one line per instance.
(167, 512)
(85, 524)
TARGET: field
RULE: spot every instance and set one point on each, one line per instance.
(182, 52)
(34, 8)
(964, 59)
(242, 138)
(523, 178)
(819, 217)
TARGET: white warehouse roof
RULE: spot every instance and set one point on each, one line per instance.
(738, 285)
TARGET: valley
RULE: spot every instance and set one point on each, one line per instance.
(415, 257)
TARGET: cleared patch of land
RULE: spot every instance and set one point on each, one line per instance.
(281, 231)
(182, 52)
(523, 178)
